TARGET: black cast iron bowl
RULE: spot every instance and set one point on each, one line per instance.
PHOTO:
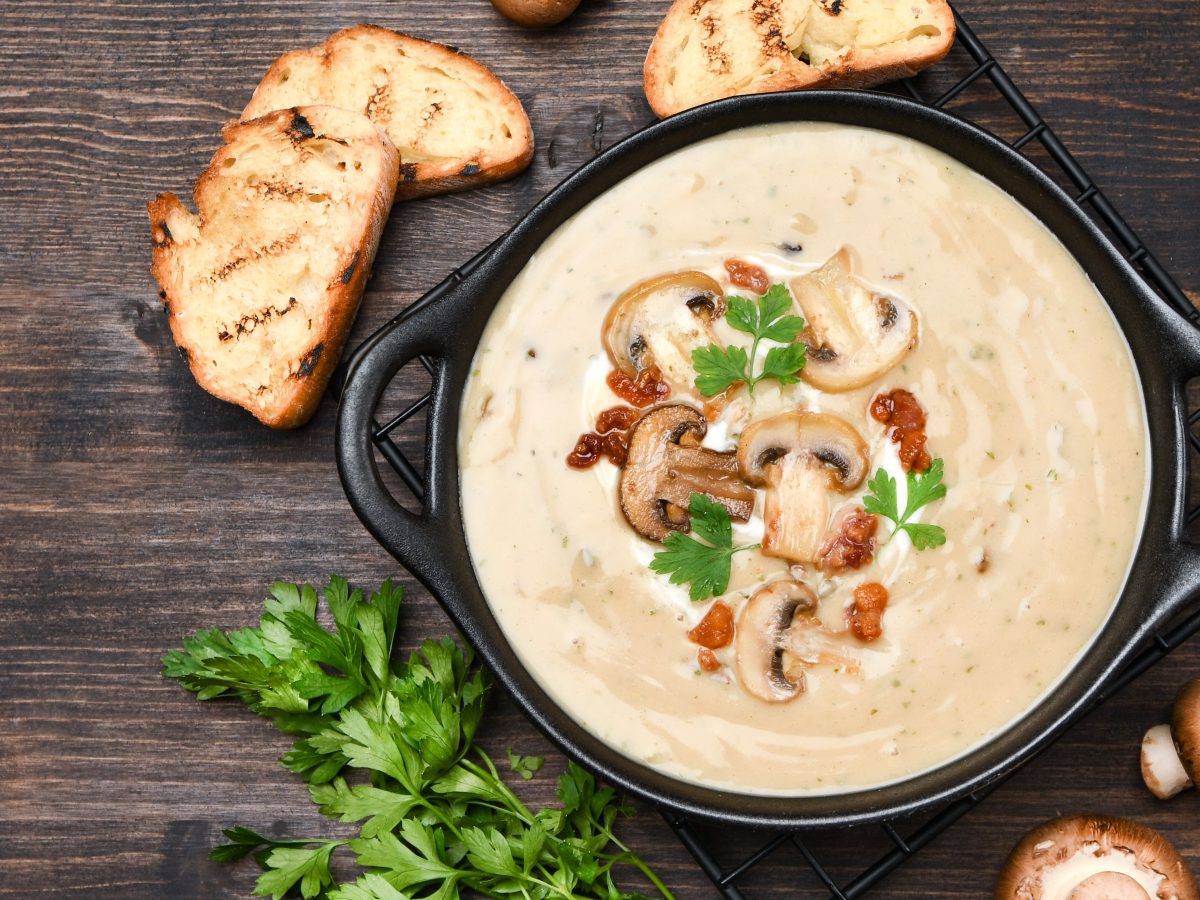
(1165, 574)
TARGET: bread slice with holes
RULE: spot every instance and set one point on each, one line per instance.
(262, 283)
(708, 49)
(455, 124)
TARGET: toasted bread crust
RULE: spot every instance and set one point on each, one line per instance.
(705, 50)
(456, 124)
(262, 285)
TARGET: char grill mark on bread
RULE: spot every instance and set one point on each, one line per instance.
(708, 49)
(262, 283)
(455, 124)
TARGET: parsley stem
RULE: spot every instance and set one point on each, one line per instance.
(514, 803)
(634, 860)
(628, 856)
(751, 380)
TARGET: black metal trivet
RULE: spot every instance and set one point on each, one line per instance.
(897, 848)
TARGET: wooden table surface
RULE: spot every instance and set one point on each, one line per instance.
(135, 509)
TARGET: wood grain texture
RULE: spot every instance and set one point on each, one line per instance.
(135, 509)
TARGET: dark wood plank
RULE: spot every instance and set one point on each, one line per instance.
(135, 508)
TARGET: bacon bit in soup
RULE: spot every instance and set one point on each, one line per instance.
(592, 447)
(900, 411)
(865, 615)
(853, 546)
(609, 439)
(707, 660)
(648, 388)
(747, 275)
(616, 418)
(715, 629)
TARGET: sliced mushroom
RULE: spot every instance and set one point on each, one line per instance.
(763, 640)
(854, 334)
(660, 322)
(666, 465)
(1095, 858)
(1171, 753)
(801, 458)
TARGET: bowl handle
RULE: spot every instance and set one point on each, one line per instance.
(424, 542)
(1176, 560)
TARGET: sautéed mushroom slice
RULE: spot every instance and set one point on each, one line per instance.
(666, 465)
(854, 334)
(659, 322)
(802, 459)
(778, 636)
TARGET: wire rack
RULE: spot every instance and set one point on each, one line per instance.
(899, 841)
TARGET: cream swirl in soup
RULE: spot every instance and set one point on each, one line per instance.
(1031, 403)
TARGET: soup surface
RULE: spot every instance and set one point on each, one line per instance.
(1031, 401)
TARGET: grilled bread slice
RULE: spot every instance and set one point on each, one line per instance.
(262, 285)
(455, 124)
(708, 49)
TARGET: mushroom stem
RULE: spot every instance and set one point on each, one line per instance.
(1162, 769)
(1109, 886)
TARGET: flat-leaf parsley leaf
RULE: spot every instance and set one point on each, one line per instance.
(768, 318)
(922, 490)
(704, 567)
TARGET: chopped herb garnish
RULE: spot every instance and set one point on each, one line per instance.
(922, 490)
(769, 318)
(705, 567)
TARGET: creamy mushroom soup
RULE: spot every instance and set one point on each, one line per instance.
(942, 297)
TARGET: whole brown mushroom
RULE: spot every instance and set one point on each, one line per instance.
(1171, 753)
(1095, 858)
(535, 13)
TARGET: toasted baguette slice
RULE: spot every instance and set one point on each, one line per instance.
(708, 49)
(455, 124)
(261, 287)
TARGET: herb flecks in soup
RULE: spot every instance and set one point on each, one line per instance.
(853, 659)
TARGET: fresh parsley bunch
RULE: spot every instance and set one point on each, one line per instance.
(922, 490)
(391, 744)
(769, 318)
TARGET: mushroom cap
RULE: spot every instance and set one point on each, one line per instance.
(854, 334)
(1185, 726)
(666, 465)
(1064, 858)
(761, 640)
(535, 13)
(820, 439)
(660, 322)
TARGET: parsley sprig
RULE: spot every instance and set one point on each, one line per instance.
(922, 490)
(704, 567)
(769, 318)
(390, 743)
